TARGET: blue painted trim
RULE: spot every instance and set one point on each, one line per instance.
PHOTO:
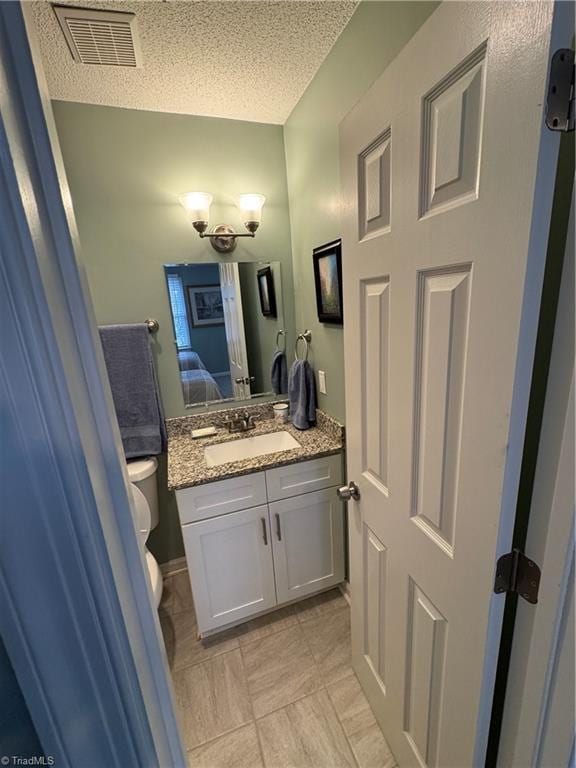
(75, 609)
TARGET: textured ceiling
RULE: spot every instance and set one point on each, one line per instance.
(246, 60)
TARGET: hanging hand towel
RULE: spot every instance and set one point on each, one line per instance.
(132, 375)
(279, 373)
(302, 394)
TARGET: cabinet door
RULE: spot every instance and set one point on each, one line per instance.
(230, 565)
(308, 540)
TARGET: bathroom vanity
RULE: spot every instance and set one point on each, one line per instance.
(259, 530)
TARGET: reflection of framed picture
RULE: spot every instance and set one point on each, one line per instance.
(205, 305)
(328, 281)
(267, 292)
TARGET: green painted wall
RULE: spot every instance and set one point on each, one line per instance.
(126, 168)
(374, 36)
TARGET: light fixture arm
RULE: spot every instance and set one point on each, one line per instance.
(227, 234)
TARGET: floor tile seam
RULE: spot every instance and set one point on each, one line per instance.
(318, 677)
(227, 732)
(259, 639)
(330, 613)
(236, 727)
(306, 696)
(311, 652)
(261, 751)
(205, 661)
(285, 706)
(336, 680)
(221, 735)
(341, 724)
(352, 733)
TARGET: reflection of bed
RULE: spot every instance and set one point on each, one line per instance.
(188, 360)
(199, 387)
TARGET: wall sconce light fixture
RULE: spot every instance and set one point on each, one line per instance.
(222, 236)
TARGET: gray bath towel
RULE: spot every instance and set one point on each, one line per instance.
(302, 394)
(279, 373)
(132, 375)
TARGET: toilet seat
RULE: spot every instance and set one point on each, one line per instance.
(142, 519)
(141, 513)
(155, 577)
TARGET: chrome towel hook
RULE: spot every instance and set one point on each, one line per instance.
(306, 338)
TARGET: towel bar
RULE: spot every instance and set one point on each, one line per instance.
(153, 325)
(306, 338)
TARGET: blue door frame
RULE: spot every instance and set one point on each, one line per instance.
(76, 615)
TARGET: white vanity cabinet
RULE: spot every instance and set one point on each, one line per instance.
(245, 557)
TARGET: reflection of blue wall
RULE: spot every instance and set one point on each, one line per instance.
(208, 342)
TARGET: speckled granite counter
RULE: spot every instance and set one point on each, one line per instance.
(186, 463)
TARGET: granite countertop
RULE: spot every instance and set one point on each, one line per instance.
(187, 466)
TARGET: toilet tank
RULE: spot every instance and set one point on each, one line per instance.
(142, 472)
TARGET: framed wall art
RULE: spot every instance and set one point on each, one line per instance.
(328, 281)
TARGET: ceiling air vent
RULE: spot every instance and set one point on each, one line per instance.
(100, 37)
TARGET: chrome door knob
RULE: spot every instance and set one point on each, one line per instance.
(350, 491)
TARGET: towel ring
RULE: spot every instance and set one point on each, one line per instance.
(281, 333)
(306, 338)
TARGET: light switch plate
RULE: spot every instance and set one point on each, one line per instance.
(322, 382)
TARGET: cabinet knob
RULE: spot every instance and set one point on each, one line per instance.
(350, 491)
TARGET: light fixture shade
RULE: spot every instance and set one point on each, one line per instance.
(197, 204)
(250, 206)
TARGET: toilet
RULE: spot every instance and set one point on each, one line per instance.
(142, 475)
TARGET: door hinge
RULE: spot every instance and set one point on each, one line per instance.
(560, 100)
(517, 573)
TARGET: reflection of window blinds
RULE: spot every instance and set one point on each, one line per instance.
(179, 314)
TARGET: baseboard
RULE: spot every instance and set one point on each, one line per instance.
(173, 566)
(345, 589)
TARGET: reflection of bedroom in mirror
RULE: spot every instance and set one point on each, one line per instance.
(225, 334)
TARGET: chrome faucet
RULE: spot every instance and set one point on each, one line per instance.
(239, 423)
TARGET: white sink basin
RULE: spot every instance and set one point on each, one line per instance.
(249, 447)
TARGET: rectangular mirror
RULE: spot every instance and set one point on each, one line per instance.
(228, 322)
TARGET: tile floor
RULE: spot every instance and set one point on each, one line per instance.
(276, 692)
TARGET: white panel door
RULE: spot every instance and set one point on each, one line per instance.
(234, 324)
(445, 165)
(308, 536)
(230, 565)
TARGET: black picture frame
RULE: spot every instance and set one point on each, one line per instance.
(328, 282)
(205, 305)
(267, 292)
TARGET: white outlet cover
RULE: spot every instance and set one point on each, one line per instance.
(322, 382)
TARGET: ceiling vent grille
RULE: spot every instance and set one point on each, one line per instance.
(100, 37)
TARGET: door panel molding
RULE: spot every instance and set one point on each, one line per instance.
(443, 304)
